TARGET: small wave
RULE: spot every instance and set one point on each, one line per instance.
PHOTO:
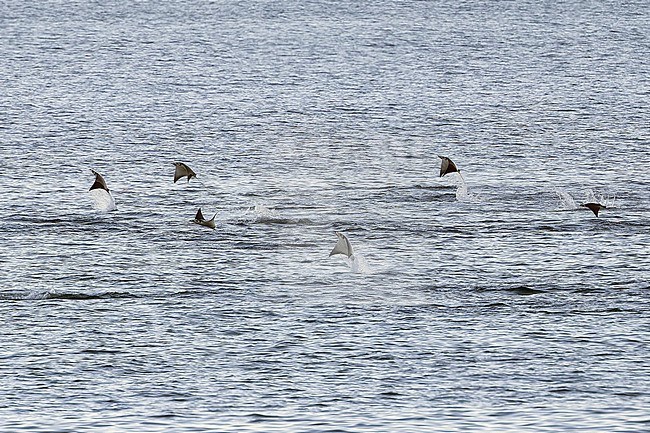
(101, 351)
(298, 221)
(84, 296)
(55, 295)
(261, 417)
(524, 290)
(64, 220)
(600, 311)
(519, 290)
(390, 394)
(433, 187)
(495, 305)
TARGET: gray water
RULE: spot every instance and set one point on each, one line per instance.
(498, 304)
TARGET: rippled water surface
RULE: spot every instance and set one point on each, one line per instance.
(491, 302)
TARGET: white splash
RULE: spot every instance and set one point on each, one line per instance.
(259, 213)
(102, 200)
(36, 295)
(606, 200)
(358, 264)
(462, 192)
(264, 211)
(566, 201)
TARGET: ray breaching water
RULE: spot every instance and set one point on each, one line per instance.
(183, 170)
(100, 194)
(448, 166)
(356, 261)
(199, 219)
(593, 202)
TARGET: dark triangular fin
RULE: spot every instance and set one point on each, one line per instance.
(99, 182)
(595, 207)
(190, 173)
(447, 166)
(183, 170)
(199, 219)
(210, 223)
(179, 172)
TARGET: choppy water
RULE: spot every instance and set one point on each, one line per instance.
(497, 305)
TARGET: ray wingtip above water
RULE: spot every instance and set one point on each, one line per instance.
(104, 202)
(342, 246)
(447, 166)
(183, 170)
(200, 220)
(594, 207)
(99, 183)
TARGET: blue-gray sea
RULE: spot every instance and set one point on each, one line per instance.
(491, 302)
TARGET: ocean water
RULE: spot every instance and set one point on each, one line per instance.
(491, 302)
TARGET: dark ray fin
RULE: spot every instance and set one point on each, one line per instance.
(447, 166)
(595, 207)
(99, 183)
(210, 223)
(198, 219)
(183, 170)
